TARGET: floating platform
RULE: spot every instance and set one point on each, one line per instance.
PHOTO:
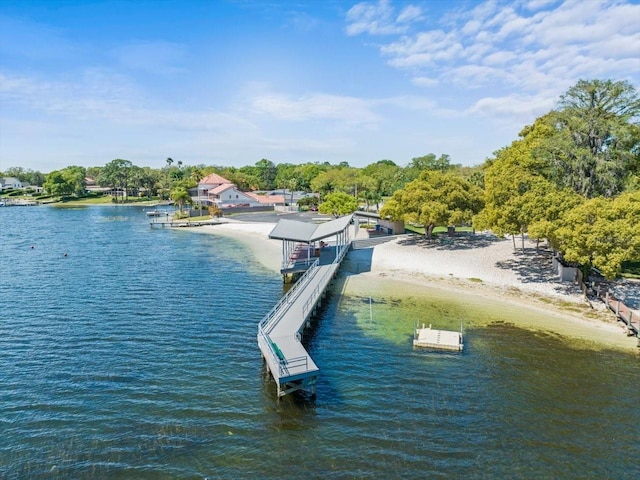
(428, 337)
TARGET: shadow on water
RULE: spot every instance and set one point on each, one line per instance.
(357, 261)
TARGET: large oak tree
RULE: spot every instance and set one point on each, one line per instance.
(435, 198)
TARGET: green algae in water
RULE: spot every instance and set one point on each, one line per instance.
(390, 310)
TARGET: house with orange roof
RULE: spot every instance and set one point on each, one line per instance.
(215, 189)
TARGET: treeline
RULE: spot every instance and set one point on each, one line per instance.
(572, 178)
(369, 184)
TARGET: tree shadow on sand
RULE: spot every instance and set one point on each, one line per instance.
(533, 266)
(458, 241)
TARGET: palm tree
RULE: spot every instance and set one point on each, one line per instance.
(180, 195)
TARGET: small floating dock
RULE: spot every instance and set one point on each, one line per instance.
(428, 337)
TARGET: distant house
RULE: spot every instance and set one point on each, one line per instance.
(268, 199)
(228, 195)
(217, 190)
(11, 182)
(206, 187)
(92, 187)
(290, 197)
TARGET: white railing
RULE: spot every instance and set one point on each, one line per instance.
(270, 320)
(283, 364)
(287, 299)
(311, 301)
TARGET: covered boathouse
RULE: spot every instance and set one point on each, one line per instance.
(311, 253)
(303, 243)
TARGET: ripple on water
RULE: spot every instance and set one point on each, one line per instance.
(135, 357)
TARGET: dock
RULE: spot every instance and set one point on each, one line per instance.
(182, 223)
(280, 331)
(623, 313)
(428, 337)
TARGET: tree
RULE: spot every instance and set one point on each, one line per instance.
(337, 179)
(266, 172)
(602, 233)
(180, 195)
(68, 181)
(427, 162)
(433, 199)
(338, 203)
(385, 178)
(77, 178)
(116, 174)
(215, 211)
(58, 184)
(549, 207)
(595, 143)
(515, 183)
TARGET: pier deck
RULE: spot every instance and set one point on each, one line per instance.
(280, 331)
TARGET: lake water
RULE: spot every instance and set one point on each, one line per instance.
(135, 356)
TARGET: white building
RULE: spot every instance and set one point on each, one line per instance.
(215, 189)
(11, 182)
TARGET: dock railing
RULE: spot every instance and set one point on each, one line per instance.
(269, 321)
(287, 299)
(283, 363)
(311, 301)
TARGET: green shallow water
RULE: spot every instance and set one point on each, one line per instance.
(135, 357)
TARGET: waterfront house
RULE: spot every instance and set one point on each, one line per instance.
(217, 190)
(7, 183)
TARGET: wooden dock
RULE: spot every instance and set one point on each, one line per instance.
(623, 313)
(183, 223)
(280, 331)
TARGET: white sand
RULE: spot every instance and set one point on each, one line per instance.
(480, 257)
(478, 264)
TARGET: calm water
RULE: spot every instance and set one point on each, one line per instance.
(135, 356)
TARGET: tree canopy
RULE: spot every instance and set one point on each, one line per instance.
(594, 144)
(435, 198)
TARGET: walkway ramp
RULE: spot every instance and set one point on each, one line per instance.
(280, 331)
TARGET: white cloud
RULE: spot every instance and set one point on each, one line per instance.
(409, 14)
(524, 46)
(425, 81)
(99, 96)
(514, 107)
(380, 19)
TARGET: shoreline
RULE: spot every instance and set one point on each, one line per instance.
(406, 265)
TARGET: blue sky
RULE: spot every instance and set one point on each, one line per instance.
(230, 82)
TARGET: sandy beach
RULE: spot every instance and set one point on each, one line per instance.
(479, 265)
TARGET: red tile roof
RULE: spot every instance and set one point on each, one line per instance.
(266, 199)
(221, 188)
(213, 179)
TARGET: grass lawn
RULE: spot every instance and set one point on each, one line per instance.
(631, 269)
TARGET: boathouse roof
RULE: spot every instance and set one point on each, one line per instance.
(309, 232)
